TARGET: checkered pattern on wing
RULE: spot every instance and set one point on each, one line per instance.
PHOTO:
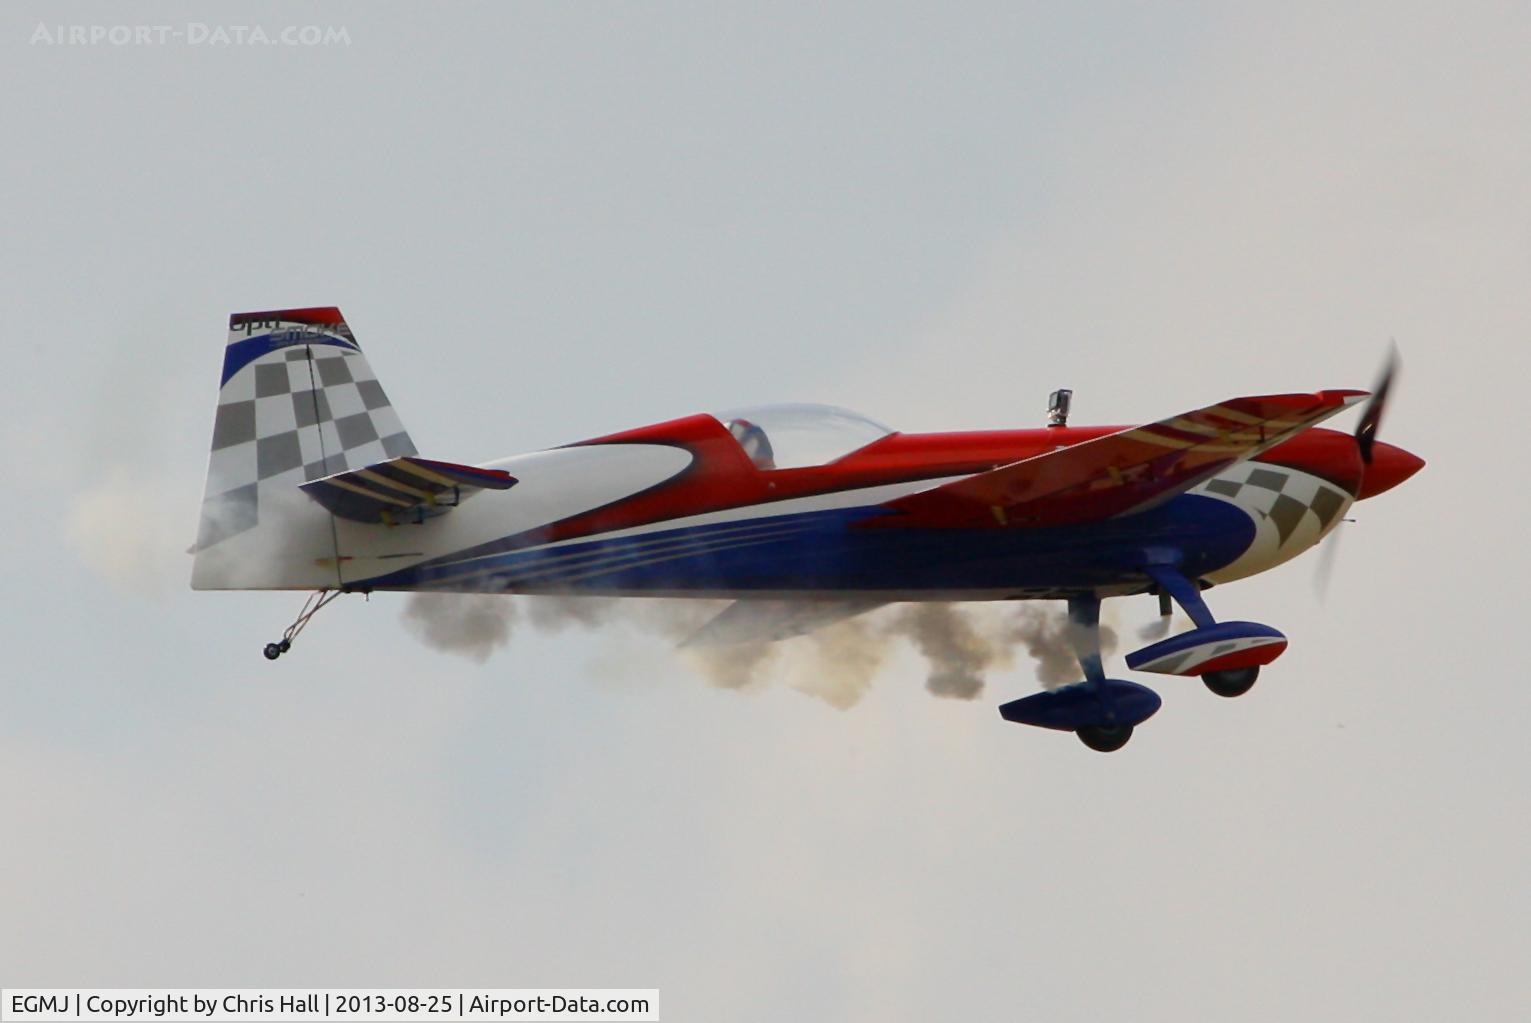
(1280, 495)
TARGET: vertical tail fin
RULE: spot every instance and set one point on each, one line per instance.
(297, 401)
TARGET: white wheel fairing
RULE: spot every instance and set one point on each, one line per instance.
(1191, 660)
(1291, 510)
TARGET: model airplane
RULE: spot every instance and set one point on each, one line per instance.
(803, 514)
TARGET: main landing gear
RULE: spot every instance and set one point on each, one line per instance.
(316, 601)
(1227, 655)
(1103, 711)
(1227, 682)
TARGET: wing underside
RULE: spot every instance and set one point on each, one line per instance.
(766, 621)
(1121, 473)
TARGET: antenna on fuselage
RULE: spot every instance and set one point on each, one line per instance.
(1058, 407)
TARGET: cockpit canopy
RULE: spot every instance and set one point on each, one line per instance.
(794, 436)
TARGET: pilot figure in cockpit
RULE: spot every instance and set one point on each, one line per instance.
(754, 442)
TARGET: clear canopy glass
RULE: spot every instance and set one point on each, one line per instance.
(793, 436)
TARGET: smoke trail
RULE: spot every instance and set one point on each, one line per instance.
(470, 625)
(1044, 632)
(958, 653)
(119, 529)
(837, 664)
(840, 662)
(740, 666)
(556, 613)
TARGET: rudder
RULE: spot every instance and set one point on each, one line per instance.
(297, 401)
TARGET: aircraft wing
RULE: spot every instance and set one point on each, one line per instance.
(1121, 473)
(766, 621)
(405, 489)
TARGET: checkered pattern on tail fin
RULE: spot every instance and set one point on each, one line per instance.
(298, 402)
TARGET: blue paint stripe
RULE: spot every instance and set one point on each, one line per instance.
(569, 575)
(821, 550)
(240, 354)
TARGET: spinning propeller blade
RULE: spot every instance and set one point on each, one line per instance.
(1371, 419)
(1366, 440)
(1328, 554)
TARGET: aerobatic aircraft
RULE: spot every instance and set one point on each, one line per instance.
(802, 514)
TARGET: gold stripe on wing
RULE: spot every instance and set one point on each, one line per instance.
(426, 474)
(363, 491)
(1181, 444)
(1192, 426)
(389, 481)
(1233, 415)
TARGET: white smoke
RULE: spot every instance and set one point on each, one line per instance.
(957, 650)
(739, 666)
(471, 625)
(556, 613)
(839, 662)
(1045, 633)
(119, 528)
(961, 643)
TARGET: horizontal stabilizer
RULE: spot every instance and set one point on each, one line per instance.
(407, 489)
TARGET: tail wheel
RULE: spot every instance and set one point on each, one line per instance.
(1231, 682)
(1104, 738)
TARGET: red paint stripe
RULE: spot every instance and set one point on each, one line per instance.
(1250, 658)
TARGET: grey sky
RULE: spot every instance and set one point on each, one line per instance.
(549, 222)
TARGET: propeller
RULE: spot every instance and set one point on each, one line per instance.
(1371, 419)
(1366, 439)
(1328, 554)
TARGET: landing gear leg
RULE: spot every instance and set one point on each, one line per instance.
(1084, 635)
(316, 600)
(1101, 711)
(1233, 651)
(1186, 594)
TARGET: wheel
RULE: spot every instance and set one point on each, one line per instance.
(1231, 682)
(1104, 738)
(272, 651)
